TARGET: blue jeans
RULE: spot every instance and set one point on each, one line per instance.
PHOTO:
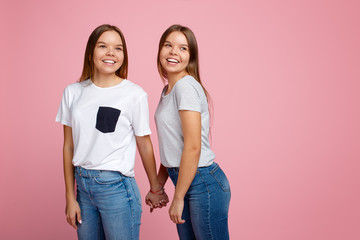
(206, 205)
(110, 205)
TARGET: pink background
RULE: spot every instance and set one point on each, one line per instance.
(284, 79)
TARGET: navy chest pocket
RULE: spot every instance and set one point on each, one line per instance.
(106, 119)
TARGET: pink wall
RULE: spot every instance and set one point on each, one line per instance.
(284, 79)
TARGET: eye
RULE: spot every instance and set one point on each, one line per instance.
(167, 45)
(119, 49)
(102, 46)
(183, 48)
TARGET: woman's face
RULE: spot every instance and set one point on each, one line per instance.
(175, 55)
(108, 53)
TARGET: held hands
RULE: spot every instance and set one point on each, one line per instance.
(160, 199)
(156, 199)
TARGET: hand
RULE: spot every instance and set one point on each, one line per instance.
(73, 213)
(175, 211)
(156, 200)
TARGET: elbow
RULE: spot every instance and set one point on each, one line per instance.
(193, 148)
(68, 148)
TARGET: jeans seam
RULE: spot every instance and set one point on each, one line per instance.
(131, 207)
(137, 196)
(223, 188)
(215, 169)
(208, 208)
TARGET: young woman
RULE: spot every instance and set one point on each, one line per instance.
(201, 200)
(105, 116)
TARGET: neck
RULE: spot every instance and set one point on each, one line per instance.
(173, 78)
(102, 80)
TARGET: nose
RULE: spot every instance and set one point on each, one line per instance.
(110, 51)
(174, 51)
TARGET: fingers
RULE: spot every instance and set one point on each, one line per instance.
(78, 214)
(71, 220)
(156, 200)
(73, 213)
(149, 203)
(72, 217)
(176, 219)
(162, 203)
(175, 211)
(181, 221)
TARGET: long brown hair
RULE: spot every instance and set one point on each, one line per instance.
(193, 67)
(88, 67)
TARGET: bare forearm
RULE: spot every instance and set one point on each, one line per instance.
(163, 175)
(68, 152)
(150, 169)
(188, 167)
(69, 174)
(147, 156)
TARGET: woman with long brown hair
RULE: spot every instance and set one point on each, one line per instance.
(202, 195)
(105, 116)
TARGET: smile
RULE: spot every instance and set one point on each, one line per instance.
(172, 60)
(109, 61)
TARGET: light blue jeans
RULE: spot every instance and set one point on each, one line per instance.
(110, 205)
(206, 205)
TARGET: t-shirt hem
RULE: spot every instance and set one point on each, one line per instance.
(63, 122)
(101, 168)
(189, 109)
(202, 165)
(141, 134)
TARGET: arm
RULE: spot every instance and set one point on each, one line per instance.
(163, 175)
(146, 152)
(191, 126)
(72, 209)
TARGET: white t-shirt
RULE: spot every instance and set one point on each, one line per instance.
(187, 94)
(104, 124)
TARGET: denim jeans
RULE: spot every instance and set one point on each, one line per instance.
(110, 205)
(206, 205)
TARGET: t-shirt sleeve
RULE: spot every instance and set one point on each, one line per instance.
(187, 97)
(140, 119)
(64, 115)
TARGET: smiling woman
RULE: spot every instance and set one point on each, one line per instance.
(174, 56)
(106, 43)
(108, 55)
(105, 116)
(202, 195)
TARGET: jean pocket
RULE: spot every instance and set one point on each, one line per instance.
(108, 178)
(221, 178)
(136, 190)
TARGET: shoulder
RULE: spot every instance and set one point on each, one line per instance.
(135, 89)
(188, 83)
(77, 87)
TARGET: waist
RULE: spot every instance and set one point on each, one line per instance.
(199, 169)
(83, 172)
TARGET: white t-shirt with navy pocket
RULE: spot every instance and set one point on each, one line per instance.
(104, 124)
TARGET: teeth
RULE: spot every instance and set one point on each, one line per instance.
(108, 61)
(172, 60)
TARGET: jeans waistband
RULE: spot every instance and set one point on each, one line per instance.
(199, 169)
(87, 172)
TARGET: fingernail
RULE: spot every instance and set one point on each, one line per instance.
(80, 221)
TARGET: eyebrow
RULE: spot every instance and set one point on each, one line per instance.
(106, 43)
(180, 44)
